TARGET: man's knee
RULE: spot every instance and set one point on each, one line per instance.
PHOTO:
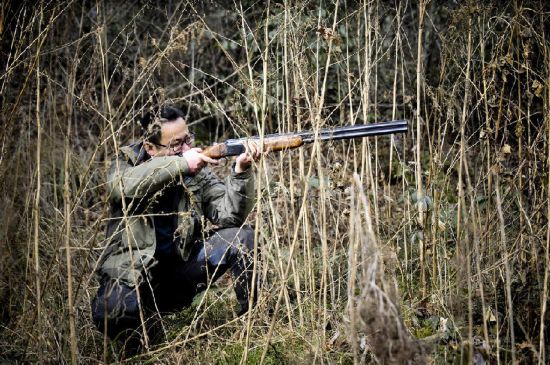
(227, 245)
(115, 306)
(238, 237)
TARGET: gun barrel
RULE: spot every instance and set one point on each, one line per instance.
(374, 129)
(357, 131)
(363, 133)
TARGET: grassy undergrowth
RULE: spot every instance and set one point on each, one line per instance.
(426, 247)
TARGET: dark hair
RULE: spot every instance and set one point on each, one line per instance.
(152, 121)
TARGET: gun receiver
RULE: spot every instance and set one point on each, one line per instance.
(279, 142)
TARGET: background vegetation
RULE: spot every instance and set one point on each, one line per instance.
(430, 247)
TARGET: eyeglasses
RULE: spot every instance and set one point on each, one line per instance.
(177, 144)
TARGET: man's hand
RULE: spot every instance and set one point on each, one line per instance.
(196, 161)
(253, 153)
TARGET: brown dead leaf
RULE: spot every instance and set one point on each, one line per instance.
(537, 87)
(328, 35)
(525, 345)
(490, 316)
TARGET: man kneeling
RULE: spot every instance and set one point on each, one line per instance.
(158, 257)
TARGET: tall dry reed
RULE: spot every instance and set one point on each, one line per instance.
(428, 246)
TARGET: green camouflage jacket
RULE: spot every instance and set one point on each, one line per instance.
(133, 181)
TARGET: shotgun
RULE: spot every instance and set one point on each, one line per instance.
(279, 142)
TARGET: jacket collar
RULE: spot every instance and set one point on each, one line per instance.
(135, 153)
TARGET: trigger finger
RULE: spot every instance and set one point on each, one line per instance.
(207, 159)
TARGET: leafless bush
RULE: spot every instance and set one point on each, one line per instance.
(458, 207)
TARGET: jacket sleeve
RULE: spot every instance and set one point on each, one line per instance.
(125, 180)
(228, 205)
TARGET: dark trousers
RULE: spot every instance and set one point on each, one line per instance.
(117, 310)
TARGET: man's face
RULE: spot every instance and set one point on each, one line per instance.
(174, 135)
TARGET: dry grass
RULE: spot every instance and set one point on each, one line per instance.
(429, 247)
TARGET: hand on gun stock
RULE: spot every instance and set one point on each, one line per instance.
(196, 160)
(254, 150)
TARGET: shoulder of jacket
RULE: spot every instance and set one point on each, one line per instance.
(127, 156)
(133, 154)
(128, 153)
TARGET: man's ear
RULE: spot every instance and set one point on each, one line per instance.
(150, 148)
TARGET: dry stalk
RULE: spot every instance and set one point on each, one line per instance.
(36, 207)
(381, 321)
(544, 296)
(463, 241)
(418, 140)
(507, 273)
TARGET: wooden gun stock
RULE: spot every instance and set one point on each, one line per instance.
(215, 151)
(273, 143)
